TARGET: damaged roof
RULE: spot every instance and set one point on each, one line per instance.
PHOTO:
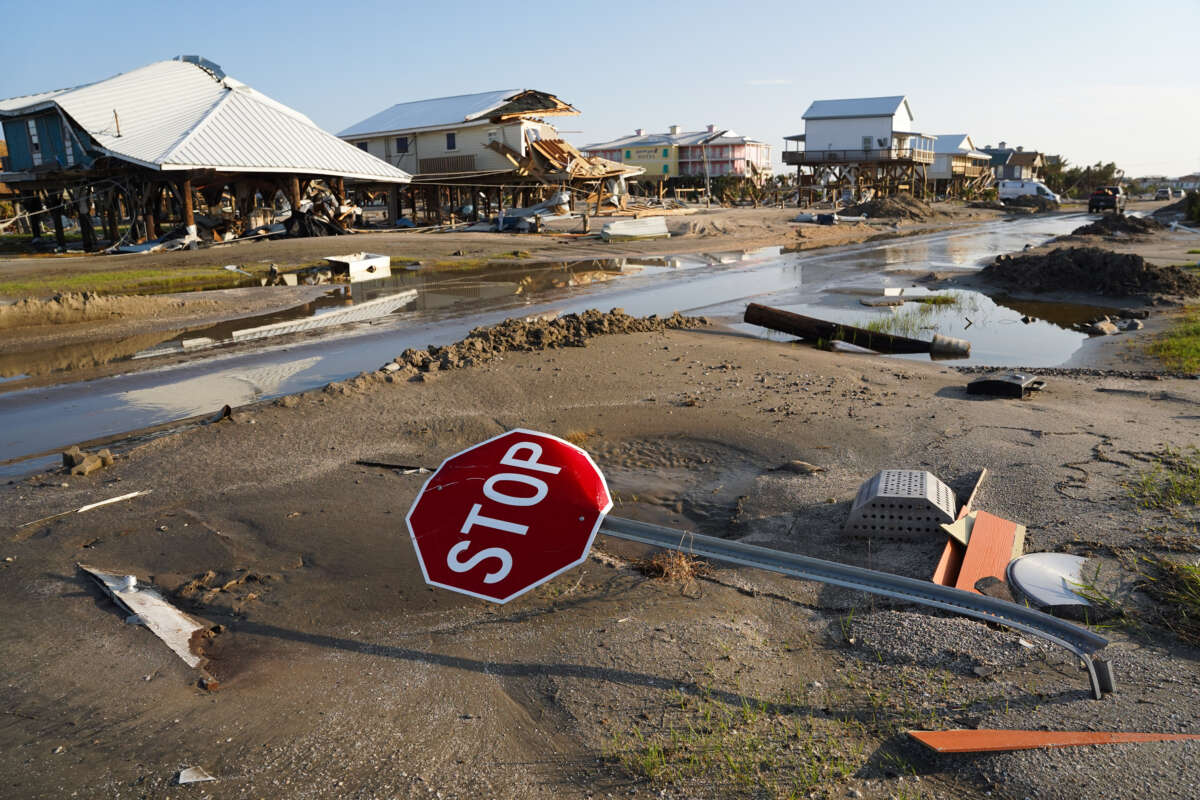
(440, 112)
(179, 115)
(682, 139)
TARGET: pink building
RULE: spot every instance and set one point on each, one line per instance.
(684, 153)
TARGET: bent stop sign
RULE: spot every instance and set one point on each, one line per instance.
(507, 514)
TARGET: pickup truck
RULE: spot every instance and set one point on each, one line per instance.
(1104, 198)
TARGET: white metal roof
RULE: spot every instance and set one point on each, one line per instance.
(956, 144)
(174, 115)
(433, 113)
(683, 139)
(857, 107)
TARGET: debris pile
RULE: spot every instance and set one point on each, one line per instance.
(903, 206)
(1118, 224)
(1090, 269)
(1036, 202)
(77, 462)
(573, 330)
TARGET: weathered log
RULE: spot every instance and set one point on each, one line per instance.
(817, 329)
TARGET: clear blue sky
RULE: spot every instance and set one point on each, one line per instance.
(1115, 81)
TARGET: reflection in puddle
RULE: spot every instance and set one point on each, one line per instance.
(201, 395)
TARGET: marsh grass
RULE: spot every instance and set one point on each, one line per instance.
(1175, 588)
(922, 315)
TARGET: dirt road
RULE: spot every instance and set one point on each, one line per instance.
(342, 675)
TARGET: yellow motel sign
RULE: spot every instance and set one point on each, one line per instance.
(660, 162)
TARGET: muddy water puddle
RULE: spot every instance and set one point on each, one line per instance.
(1002, 332)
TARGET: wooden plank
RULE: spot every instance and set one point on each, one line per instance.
(966, 507)
(994, 541)
(989, 740)
(950, 564)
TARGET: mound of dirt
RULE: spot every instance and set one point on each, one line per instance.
(1090, 269)
(573, 330)
(69, 307)
(1036, 202)
(902, 206)
(1118, 224)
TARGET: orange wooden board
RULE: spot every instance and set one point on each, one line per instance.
(989, 740)
(994, 541)
(949, 564)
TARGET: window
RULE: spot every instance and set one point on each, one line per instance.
(866, 141)
(629, 154)
(401, 144)
(451, 142)
(361, 146)
(666, 169)
(35, 146)
(494, 135)
(665, 152)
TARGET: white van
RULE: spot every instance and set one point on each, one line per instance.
(1008, 189)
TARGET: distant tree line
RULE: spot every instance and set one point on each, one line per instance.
(1069, 181)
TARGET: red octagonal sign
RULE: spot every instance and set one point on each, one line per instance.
(508, 514)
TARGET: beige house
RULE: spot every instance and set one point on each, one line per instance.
(461, 136)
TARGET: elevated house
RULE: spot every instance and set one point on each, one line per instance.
(150, 145)
(959, 169)
(859, 144)
(712, 152)
(1015, 163)
(466, 149)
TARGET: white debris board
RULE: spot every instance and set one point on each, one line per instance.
(168, 623)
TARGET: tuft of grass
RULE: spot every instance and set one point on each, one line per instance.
(1195, 252)
(1175, 586)
(1179, 347)
(1174, 481)
(581, 438)
(673, 566)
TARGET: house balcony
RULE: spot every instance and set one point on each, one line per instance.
(882, 155)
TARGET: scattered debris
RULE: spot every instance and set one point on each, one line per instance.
(818, 330)
(1047, 578)
(236, 268)
(77, 462)
(901, 503)
(1036, 203)
(628, 230)
(371, 309)
(168, 623)
(990, 740)
(193, 775)
(361, 266)
(991, 542)
(88, 507)
(406, 469)
(1089, 269)
(1102, 327)
(1010, 384)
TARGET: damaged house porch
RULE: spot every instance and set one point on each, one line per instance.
(176, 153)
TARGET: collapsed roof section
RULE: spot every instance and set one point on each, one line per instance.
(188, 115)
(463, 109)
(556, 160)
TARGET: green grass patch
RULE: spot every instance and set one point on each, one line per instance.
(1179, 347)
(910, 322)
(746, 750)
(1173, 481)
(1194, 252)
(128, 281)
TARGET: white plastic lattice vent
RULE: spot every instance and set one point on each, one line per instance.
(901, 503)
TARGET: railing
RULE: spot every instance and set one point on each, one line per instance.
(795, 157)
(446, 164)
